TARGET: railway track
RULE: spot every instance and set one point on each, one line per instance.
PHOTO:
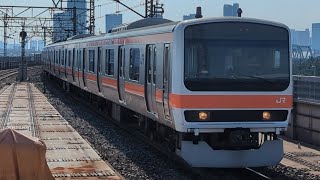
(198, 173)
(8, 73)
(68, 155)
(297, 158)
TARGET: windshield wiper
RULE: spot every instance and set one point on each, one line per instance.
(260, 78)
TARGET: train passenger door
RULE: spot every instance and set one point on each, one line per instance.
(84, 67)
(58, 61)
(121, 75)
(150, 81)
(73, 63)
(166, 70)
(66, 59)
(79, 65)
(99, 74)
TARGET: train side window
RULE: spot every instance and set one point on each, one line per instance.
(166, 62)
(59, 58)
(91, 60)
(134, 64)
(54, 57)
(79, 60)
(69, 58)
(109, 66)
(154, 64)
(149, 54)
(84, 60)
(64, 58)
(62, 62)
(74, 58)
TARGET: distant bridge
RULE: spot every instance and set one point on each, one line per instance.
(301, 52)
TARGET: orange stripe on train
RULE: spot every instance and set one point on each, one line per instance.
(109, 82)
(230, 101)
(134, 89)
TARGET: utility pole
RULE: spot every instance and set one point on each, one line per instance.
(74, 20)
(23, 65)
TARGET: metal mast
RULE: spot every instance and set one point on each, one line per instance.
(5, 26)
(149, 8)
(91, 17)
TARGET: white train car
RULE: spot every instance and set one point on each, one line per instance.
(217, 90)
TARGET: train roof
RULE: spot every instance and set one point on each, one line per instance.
(152, 26)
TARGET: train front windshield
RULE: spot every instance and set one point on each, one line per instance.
(236, 56)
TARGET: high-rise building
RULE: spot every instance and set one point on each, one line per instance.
(60, 26)
(40, 45)
(316, 36)
(63, 22)
(112, 21)
(230, 10)
(190, 16)
(235, 8)
(227, 10)
(301, 38)
(81, 14)
(33, 45)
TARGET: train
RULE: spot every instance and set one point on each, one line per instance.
(216, 91)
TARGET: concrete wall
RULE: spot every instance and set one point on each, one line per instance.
(305, 123)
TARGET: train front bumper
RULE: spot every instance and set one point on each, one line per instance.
(202, 155)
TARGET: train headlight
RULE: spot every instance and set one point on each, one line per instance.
(203, 116)
(266, 115)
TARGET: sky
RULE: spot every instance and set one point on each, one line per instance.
(297, 14)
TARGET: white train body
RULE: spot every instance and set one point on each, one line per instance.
(221, 85)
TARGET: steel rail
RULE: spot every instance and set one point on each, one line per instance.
(5, 116)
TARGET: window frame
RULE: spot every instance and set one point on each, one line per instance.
(93, 62)
(133, 62)
(108, 61)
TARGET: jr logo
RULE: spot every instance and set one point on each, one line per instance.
(281, 100)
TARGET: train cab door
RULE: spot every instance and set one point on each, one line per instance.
(121, 74)
(99, 69)
(84, 67)
(150, 81)
(166, 73)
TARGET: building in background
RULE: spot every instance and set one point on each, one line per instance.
(230, 10)
(227, 10)
(190, 16)
(81, 14)
(60, 27)
(63, 22)
(235, 8)
(112, 21)
(33, 45)
(301, 38)
(40, 45)
(316, 36)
